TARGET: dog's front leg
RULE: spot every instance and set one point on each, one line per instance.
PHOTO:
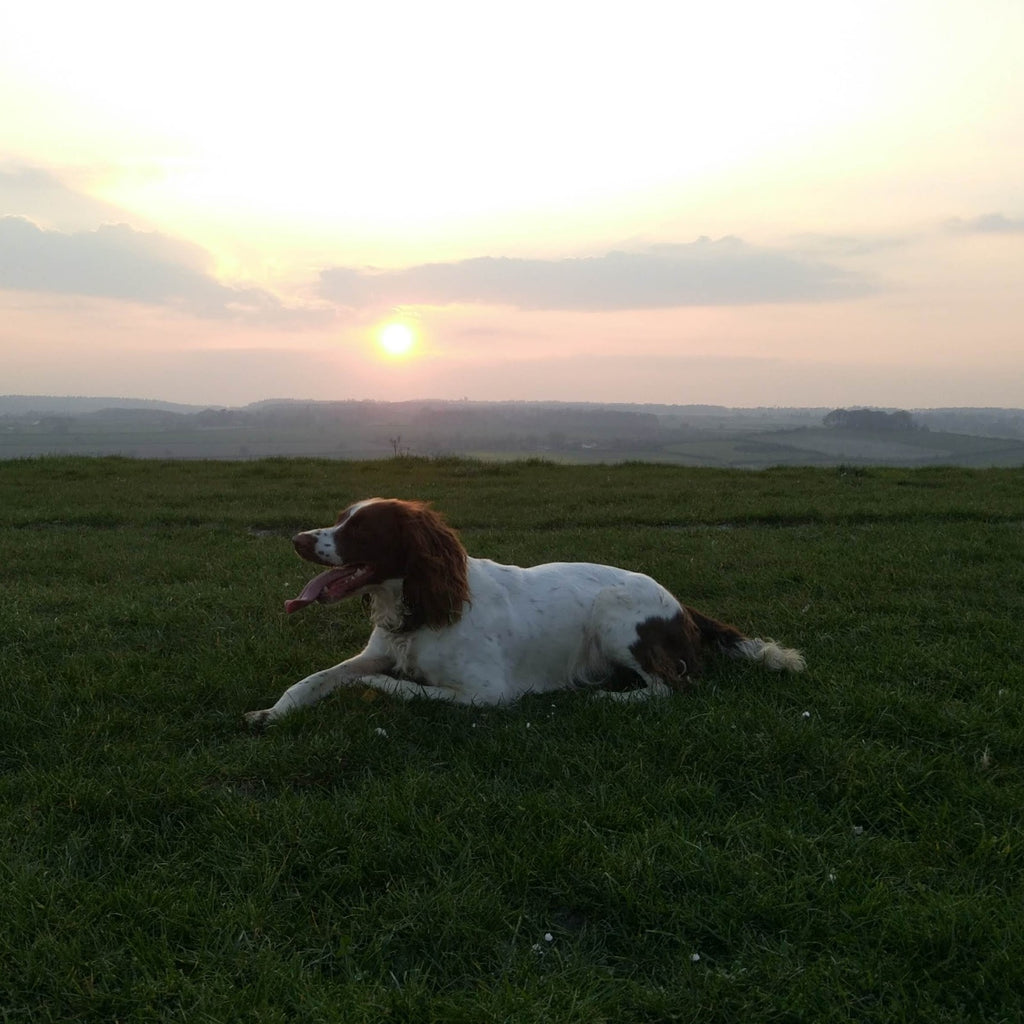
(314, 688)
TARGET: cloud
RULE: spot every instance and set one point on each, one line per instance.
(829, 247)
(116, 261)
(726, 272)
(988, 224)
(43, 198)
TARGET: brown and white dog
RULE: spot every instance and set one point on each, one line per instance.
(452, 627)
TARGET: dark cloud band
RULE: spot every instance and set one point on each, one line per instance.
(702, 273)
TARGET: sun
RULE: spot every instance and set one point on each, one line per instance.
(396, 339)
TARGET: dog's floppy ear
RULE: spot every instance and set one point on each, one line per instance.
(436, 585)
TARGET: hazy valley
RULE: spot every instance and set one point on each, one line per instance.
(695, 435)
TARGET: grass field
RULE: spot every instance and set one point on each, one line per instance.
(845, 845)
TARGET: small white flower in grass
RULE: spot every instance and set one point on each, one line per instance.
(695, 958)
(380, 732)
(806, 714)
(831, 876)
(548, 937)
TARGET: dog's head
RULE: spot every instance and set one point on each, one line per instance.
(386, 539)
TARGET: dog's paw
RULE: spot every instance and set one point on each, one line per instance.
(257, 720)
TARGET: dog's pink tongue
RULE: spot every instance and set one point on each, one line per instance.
(314, 588)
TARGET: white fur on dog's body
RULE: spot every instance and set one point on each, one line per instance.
(520, 630)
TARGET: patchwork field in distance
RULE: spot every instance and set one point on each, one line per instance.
(565, 432)
(843, 845)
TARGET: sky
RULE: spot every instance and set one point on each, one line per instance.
(744, 204)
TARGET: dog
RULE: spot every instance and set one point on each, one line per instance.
(448, 626)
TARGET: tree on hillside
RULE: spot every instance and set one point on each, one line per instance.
(871, 419)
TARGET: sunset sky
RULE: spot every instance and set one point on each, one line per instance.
(738, 203)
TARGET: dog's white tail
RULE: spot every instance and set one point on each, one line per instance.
(769, 653)
(731, 641)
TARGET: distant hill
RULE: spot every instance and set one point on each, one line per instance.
(64, 405)
(694, 435)
(994, 422)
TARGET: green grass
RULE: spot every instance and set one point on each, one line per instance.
(844, 845)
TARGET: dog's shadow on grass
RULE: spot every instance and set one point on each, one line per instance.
(358, 735)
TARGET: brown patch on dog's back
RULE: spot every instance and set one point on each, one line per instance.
(669, 649)
(712, 633)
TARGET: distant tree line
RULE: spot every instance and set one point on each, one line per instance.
(876, 420)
